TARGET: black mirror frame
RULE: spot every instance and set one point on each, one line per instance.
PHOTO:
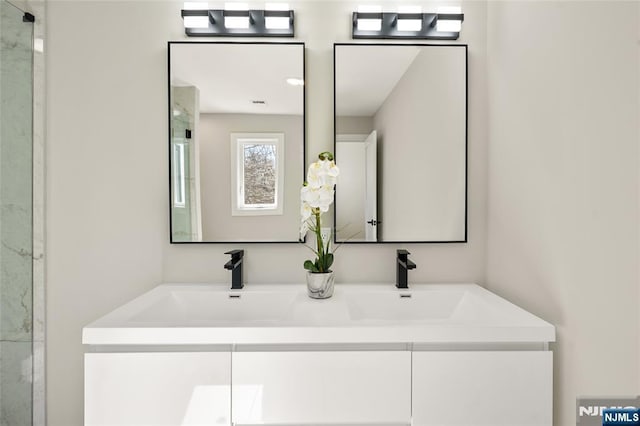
(466, 144)
(169, 117)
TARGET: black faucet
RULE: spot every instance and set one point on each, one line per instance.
(235, 266)
(402, 267)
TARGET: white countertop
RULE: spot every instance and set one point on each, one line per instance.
(211, 314)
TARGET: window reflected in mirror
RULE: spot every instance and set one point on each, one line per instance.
(258, 168)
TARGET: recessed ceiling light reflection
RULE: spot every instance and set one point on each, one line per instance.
(295, 81)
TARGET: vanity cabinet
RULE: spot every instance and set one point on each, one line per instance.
(158, 388)
(504, 388)
(341, 387)
(322, 388)
(447, 355)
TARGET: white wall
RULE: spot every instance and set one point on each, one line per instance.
(435, 262)
(107, 192)
(563, 184)
(563, 164)
(421, 141)
(107, 174)
(215, 177)
(354, 125)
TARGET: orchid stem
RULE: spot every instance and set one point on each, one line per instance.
(319, 243)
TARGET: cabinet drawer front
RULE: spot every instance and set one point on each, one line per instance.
(321, 388)
(158, 389)
(482, 388)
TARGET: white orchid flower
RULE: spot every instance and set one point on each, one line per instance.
(315, 175)
(333, 170)
(307, 220)
(305, 211)
(316, 196)
(325, 196)
(321, 173)
(311, 196)
(314, 180)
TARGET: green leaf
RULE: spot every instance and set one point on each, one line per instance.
(324, 262)
(309, 265)
(328, 261)
(328, 248)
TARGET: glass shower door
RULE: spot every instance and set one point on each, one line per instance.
(16, 216)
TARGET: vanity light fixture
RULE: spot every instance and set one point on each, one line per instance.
(237, 20)
(408, 23)
(277, 22)
(449, 25)
(193, 20)
(370, 24)
(236, 15)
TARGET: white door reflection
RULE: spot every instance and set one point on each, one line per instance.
(356, 195)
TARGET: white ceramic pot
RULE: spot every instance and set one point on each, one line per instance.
(320, 285)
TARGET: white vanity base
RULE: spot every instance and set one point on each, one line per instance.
(419, 383)
(157, 388)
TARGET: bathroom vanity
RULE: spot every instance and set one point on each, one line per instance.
(201, 354)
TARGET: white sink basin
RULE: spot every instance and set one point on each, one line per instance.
(211, 314)
(183, 307)
(404, 305)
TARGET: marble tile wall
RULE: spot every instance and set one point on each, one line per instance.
(16, 244)
(21, 216)
(15, 383)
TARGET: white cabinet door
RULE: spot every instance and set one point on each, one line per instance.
(158, 389)
(321, 388)
(482, 388)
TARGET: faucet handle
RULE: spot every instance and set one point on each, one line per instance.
(235, 254)
(402, 254)
(235, 266)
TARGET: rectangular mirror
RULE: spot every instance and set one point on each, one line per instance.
(236, 141)
(401, 142)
